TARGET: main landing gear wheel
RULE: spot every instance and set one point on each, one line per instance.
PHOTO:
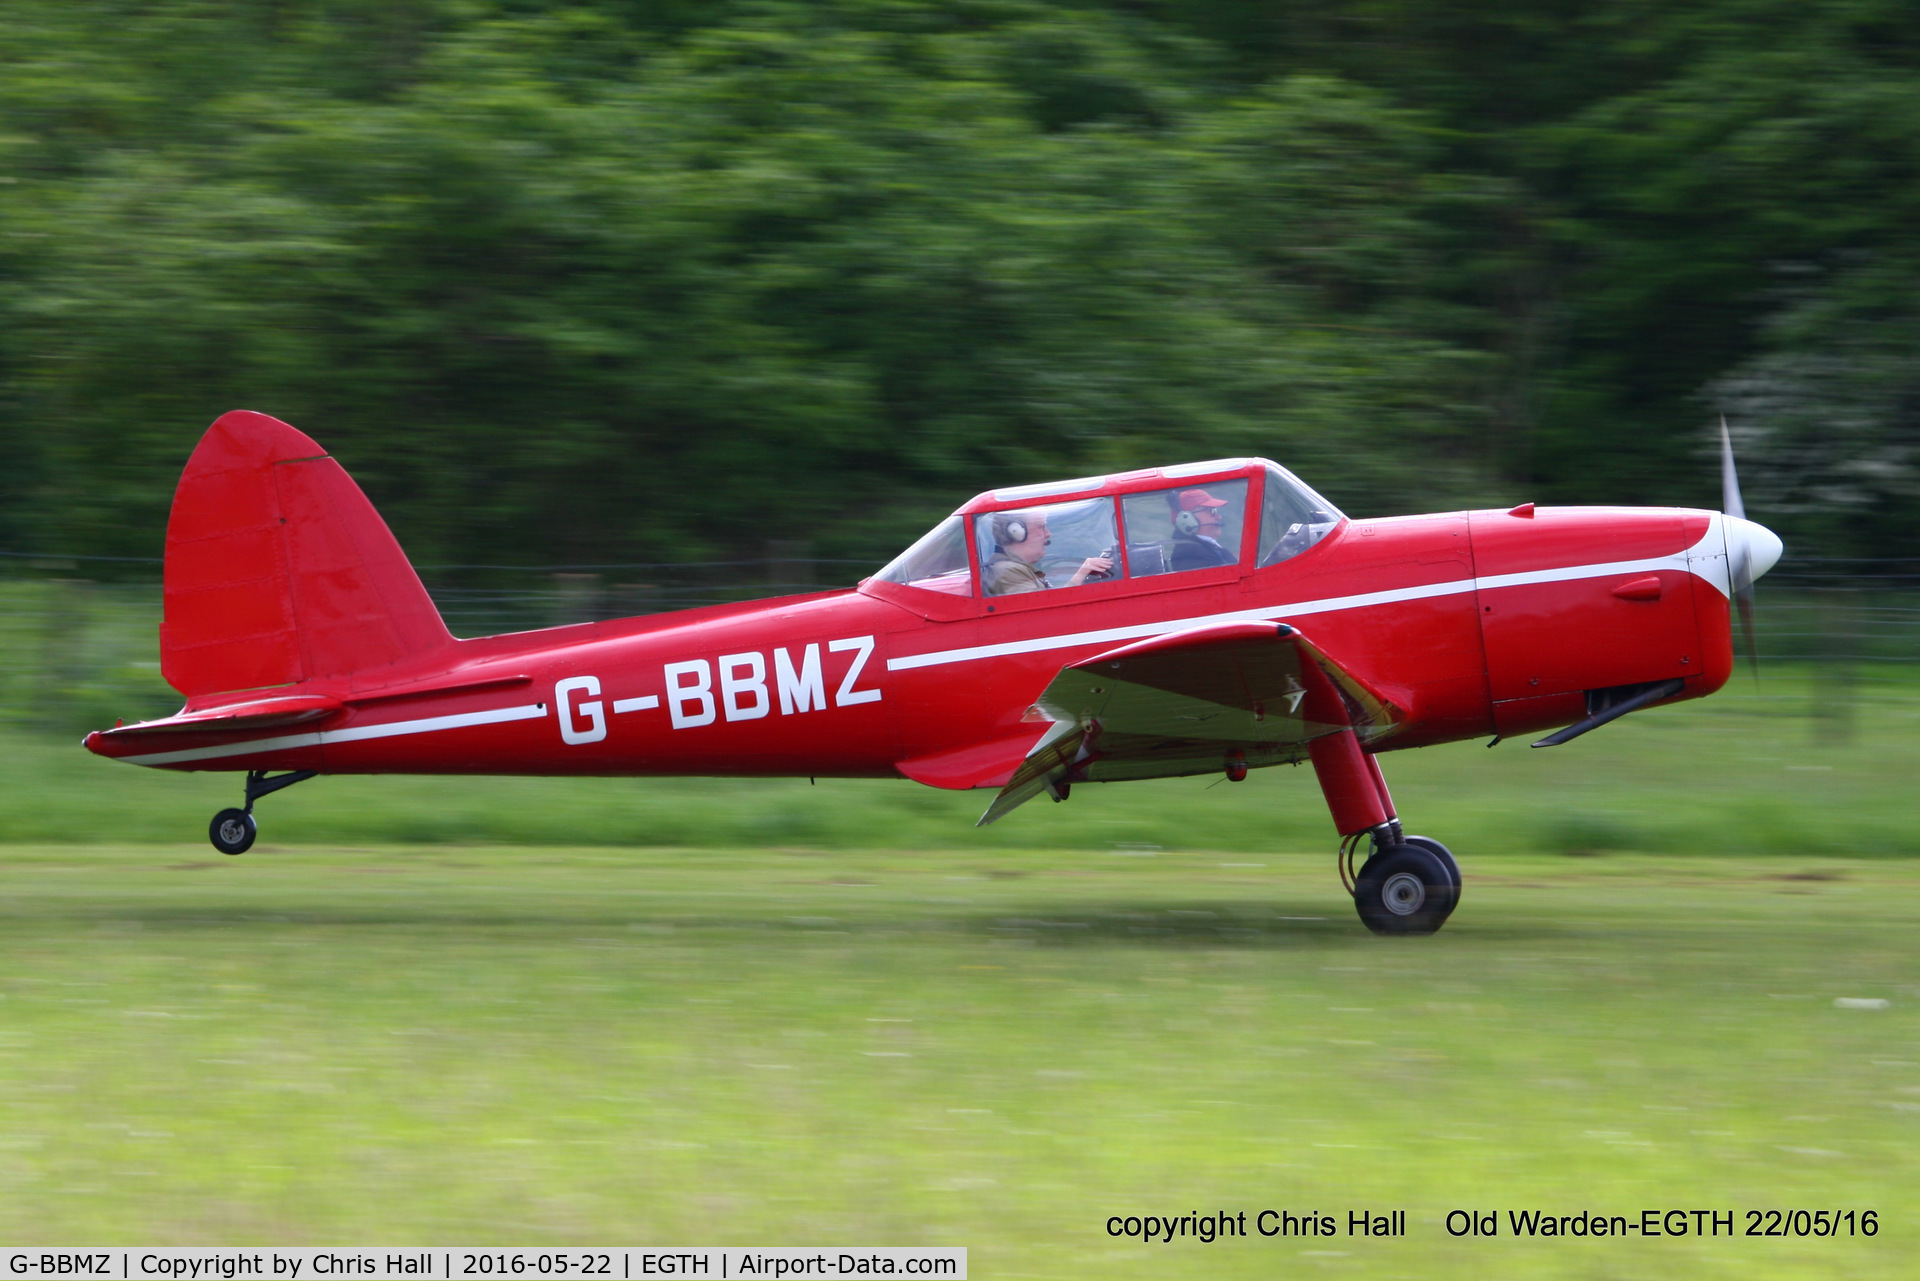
(1445, 855)
(232, 831)
(1404, 889)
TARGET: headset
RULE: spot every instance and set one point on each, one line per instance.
(1008, 532)
(1188, 523)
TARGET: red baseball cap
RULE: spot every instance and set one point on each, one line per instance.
(1192, 498)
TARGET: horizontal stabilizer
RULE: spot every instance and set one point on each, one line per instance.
(258, 714)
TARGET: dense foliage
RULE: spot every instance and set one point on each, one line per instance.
(616, 280)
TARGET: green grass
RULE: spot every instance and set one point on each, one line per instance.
(1742, 771)
(651, 1012)
(995, 1050)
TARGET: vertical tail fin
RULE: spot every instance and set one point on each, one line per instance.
(279, 570)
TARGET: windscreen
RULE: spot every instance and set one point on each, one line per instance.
(1292, 518)
(937, 563)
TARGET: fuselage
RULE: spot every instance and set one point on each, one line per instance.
(1476, 623)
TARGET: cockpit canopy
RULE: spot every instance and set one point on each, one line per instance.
(1108, 529)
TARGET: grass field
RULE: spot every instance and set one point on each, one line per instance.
(767, 1013)
(997, 1051)
(1746, 771)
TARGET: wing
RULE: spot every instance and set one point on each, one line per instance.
(1192, 702)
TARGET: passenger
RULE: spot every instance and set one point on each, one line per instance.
(1020, 540)
(1196, 531)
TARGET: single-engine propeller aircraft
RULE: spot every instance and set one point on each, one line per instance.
(1212, 617)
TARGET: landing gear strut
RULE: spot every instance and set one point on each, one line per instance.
(232, 830)
(1409, 884)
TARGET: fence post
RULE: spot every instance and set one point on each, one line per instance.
(1836, 616)
(63, 672)
(576, 599)
(790, 564)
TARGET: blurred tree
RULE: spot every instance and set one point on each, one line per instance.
(1828, 418)
(604, 281)
(574, 293)
(1677, 165)
(1789, 135)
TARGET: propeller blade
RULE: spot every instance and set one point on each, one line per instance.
(1743, 597)
(1739, 553)
(1729, 479)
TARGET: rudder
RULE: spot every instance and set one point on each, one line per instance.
(279, 570)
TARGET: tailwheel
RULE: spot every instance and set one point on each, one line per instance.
(1405, 889)
(232, 831)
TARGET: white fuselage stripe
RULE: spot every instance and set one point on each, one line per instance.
(1679, 560)
(1706, 559)
(1139, 631)
(354, 734)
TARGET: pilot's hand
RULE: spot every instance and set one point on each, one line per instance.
(1094, 567)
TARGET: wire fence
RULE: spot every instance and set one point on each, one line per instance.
(79, 636)
(484, 600)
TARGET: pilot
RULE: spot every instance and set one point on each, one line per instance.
(1196, 531)
(1020, 540)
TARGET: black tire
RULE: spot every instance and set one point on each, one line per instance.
(1445, 855)
(1404, 889)
(232, 831)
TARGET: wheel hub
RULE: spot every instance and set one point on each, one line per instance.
(1403, 894)
(233, 831)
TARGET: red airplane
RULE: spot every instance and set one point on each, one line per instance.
(1207, 618)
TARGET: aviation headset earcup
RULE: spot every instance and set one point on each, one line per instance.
(1186, 523)
(1017, 531)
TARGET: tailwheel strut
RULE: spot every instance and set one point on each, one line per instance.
(232, 830)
